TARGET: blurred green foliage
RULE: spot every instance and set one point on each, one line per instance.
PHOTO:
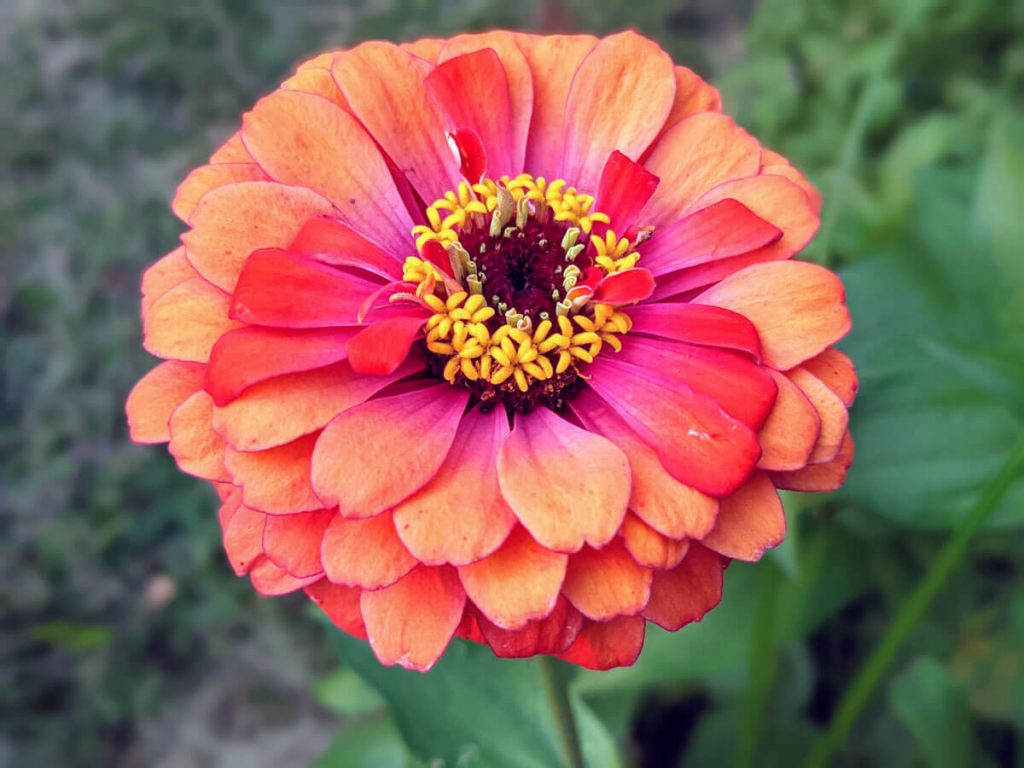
(126, 640)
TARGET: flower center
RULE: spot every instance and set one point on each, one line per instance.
(515, 316)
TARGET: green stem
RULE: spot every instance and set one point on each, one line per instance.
(912, 611)
(761, 670)
(556, 681)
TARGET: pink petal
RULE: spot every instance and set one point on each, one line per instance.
(697, 324)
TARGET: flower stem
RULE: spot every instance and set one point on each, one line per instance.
(556, 683)
(912, 611)
(761, 669)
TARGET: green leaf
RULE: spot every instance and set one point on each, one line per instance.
(344, 692)
(934, 710)
(475, 709)
(375, 743)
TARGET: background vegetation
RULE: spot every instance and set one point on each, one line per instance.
(126, 640)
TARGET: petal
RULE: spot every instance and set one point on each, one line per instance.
(341, 604)
(185, 322)
(550, 635)
(292, 542)
(428, 48)
(168, 272)
(247, 356)
(836, 371)
(520, 88)
(317, 80)
(231, 222)
(518, 583)
(277, 411)
(270, 580)
(797, 308)
(819, 477)
(648, 547)
(686, 592)
(744, 390)
(243, 536)
(695, 440)
(305, 140)
(698, 154)
(693, 95)
(624, 189)
(657, 498)
(277, 480)
(697, 324)
(416, 428)
(460, 516)
(156, 396)
(606, 644)
(472, 91)
(619, 99)
(722, 230)
(384, 87)
(626, 287)
(792, 429)
(831, 410)
(198, 450)
(380, 348)
(280, 289)
(605, 583)
(336, 243)
(553, 61)
(750, 521)
(207, 177)
(365, 553)
(568, 487)
(411, 622)
(232, 151)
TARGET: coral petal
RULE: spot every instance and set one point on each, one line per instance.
(207, 177)
(186, 321)
(168, 272)
(365, 553)
(686, 592)
(460, 516)
(270, 580)
(400, 630)
(415, 428)
(605, 583)
(548, 474)
(648, 547)
(341, 604)
(292, 542)
(832, 411)
(693, 95)
(198, 450)
(243, 535)
(792, 429)
(156, 396)
(750, 521)
(819, 477)
(277, 480)
(607, 644)
(518, 583)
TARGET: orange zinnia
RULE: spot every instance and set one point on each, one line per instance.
(497, 337)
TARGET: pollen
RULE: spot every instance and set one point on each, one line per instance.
(527, 254)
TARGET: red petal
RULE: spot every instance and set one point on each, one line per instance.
(626, 287)
(551, 635)
(380, 348)
(750, 521)
(472, 155)
(334, 242)
(697, 324)
(686, 592)
(365, 553)
(606, 644)
(292, 542)
(341, 604)
(624, 189)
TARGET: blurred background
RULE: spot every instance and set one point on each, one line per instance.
(126, 640)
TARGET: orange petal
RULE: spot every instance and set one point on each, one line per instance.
(520, 89)
(384, 87)
(427, 48)
(279, 410)
(776, 164)
(693, 95)
(648, 547)
(606, 644)
(701, 152)
(657, 498)
(518, 583)
(411, 622)
(568, 487)
(365, 553)
(292, 542)
(553, 61)
(551, 635)
(276, 481)
(194, 445)
(415, 428)
(318, 81)
(750, 521)
(619, 99)
(819, 477)
(155, 397)
(686, 592)
(169, 272)
(270, 580)
(604, 583)
(836, 371)
(186, 322)
(207, 177)
(796, 306)
(232, 151)
(460, 515)
(831, 410)
(243, 535)
(231, 222)
(305, 140)
(341, 604)
(792, 429)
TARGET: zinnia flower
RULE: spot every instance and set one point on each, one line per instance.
(497, 337)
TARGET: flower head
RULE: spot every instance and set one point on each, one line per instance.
(498, 337)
